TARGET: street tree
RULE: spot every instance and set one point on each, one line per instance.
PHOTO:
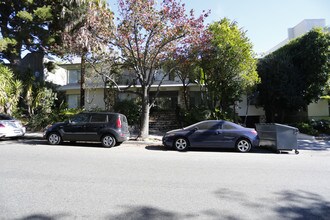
(185, 67)
(86, 34)
(28, 25)
(228, 65)
(294, 75)
(147, 35)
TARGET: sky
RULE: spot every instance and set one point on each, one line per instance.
(266, 22)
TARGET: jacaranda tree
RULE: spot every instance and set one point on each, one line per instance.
(147, 35)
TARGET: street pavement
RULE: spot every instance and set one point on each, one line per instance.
(143, 180)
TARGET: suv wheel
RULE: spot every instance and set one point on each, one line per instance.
(54, 138)
(108, 140)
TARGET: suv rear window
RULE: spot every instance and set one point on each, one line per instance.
(99, 118)
(124, 119)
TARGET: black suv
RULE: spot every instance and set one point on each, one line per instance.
(109, 128)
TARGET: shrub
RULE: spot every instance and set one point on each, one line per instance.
(131, 109)
(195, 114)
(39, 121)
(306, 128)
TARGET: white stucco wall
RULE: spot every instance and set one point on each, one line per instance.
(94, 99)
(318, 109)
(58, 76)
(252, 110)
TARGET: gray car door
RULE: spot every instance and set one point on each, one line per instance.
(74, 130)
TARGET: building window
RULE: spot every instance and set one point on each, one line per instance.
(73, 101)
(73, 76)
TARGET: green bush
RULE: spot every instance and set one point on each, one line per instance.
(314, 127)
(131, 109)
(194, 115)
(306, 128)
(39, 121)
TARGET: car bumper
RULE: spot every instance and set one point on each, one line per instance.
(256, 142)
(167, 141)
(123, 137)
(19, 132)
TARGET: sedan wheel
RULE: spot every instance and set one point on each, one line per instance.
(243, 145)
(108, 141)
(181, 144)
(54, 139)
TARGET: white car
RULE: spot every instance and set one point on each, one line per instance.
(10, 127)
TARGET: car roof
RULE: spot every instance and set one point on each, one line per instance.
(102, 113)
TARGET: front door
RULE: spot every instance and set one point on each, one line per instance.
(74, 130)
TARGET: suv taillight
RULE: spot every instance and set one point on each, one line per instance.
(118, 123)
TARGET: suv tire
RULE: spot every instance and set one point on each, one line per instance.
(54, 138)
(108, 140)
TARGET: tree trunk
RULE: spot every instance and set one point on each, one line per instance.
(144, 132)
(82, 81)
(186, 96)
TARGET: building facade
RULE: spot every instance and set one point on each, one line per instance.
(98, 95)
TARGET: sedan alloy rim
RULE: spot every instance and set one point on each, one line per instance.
(181, 144)
(243, 146)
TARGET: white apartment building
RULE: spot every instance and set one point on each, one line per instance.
(302, 28)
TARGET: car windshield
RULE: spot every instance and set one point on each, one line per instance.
(205, 125)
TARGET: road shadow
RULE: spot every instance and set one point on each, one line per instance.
(35, 142)
(315, 145)
(43, 217)
(157, 147)
(288, 204)
(259, 150)
(302, 205)
(145, 212)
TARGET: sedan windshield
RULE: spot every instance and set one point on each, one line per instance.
(206, 125)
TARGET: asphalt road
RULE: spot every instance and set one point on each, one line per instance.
(138, 181)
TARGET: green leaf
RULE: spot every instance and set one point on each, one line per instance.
(25, 15)
(43, 13)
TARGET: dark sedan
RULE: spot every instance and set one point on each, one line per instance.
(212, 134)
